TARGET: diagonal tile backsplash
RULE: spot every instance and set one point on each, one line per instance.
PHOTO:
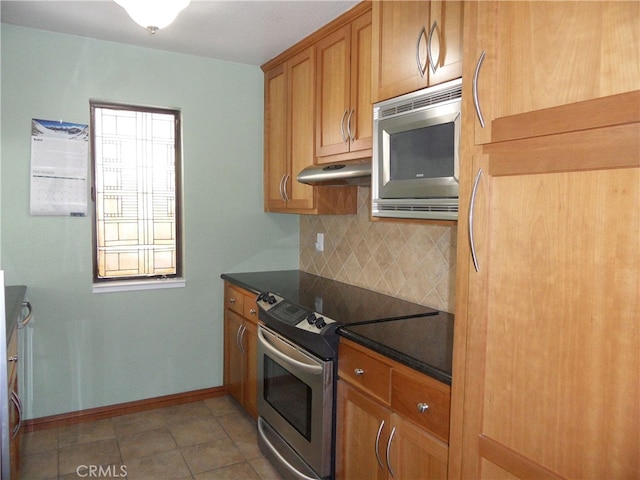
(412, 261)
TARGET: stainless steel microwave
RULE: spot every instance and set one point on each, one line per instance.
(416, 147)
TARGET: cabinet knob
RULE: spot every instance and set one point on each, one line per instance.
(253, 311)
(358, 372)
(422, 407)
(13, 358)
(232, 300)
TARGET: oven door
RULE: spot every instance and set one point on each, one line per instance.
(295, 399)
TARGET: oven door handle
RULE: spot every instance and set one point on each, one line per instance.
(273, 449)
(314, 369)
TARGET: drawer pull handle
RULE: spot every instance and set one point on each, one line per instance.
(253, 311)
(232, 300)
(358, 372)
(13, 358)
(422, 407)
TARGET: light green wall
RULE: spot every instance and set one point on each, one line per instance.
(92, 350)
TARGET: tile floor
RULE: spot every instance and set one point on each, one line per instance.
(205, 440)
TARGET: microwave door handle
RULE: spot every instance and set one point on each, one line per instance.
(305, 367)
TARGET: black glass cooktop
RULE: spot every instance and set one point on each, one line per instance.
(339, 301)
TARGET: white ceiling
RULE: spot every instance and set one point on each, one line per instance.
(243, 31)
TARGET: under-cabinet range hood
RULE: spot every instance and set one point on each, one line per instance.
(356, 172)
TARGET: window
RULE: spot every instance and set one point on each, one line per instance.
(136, 154)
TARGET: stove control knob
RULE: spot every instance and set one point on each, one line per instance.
(262, 297)
(311, 318)
(320, 322)
(271, 300)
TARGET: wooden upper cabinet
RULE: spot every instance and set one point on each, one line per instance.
(295, 113)
(415, 45)
(343, 97)
(539, 55)
(289, 130)
(275, 145)
(301, 77)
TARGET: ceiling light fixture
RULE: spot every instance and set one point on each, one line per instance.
(153, 14)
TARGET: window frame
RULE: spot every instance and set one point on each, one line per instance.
(139, 282)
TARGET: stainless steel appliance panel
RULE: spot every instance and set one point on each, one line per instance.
(295, 398)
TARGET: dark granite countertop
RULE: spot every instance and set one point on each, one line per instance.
(337, 300)
(424, 343)
(13, 297)
(414, 335)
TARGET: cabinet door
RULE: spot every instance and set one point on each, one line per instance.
(233, 356)
(333, 91)
(360, 120)
(415, 454)
(363, 427)
(343, 101)
(545, 54)
(301, 88)
(398, 43)
(275, 138)
(552, 332)
(447, 18)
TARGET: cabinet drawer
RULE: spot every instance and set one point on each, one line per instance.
(233, 299)
(411, 391)
(365, 372)
(250, 307)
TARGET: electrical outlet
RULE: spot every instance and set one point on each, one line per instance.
(320, 242)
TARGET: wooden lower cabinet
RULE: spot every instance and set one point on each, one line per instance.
(241, 347)
(362, 434)
(376, 439)
(415, 453)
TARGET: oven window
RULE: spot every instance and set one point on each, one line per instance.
(426, 152)
(289, 396)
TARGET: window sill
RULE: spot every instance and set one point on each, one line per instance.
(132, 285)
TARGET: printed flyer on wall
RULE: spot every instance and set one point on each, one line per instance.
(59, 166)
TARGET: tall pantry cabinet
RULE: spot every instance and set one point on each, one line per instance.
(547, 356)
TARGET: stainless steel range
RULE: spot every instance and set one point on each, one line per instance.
(297, 354)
